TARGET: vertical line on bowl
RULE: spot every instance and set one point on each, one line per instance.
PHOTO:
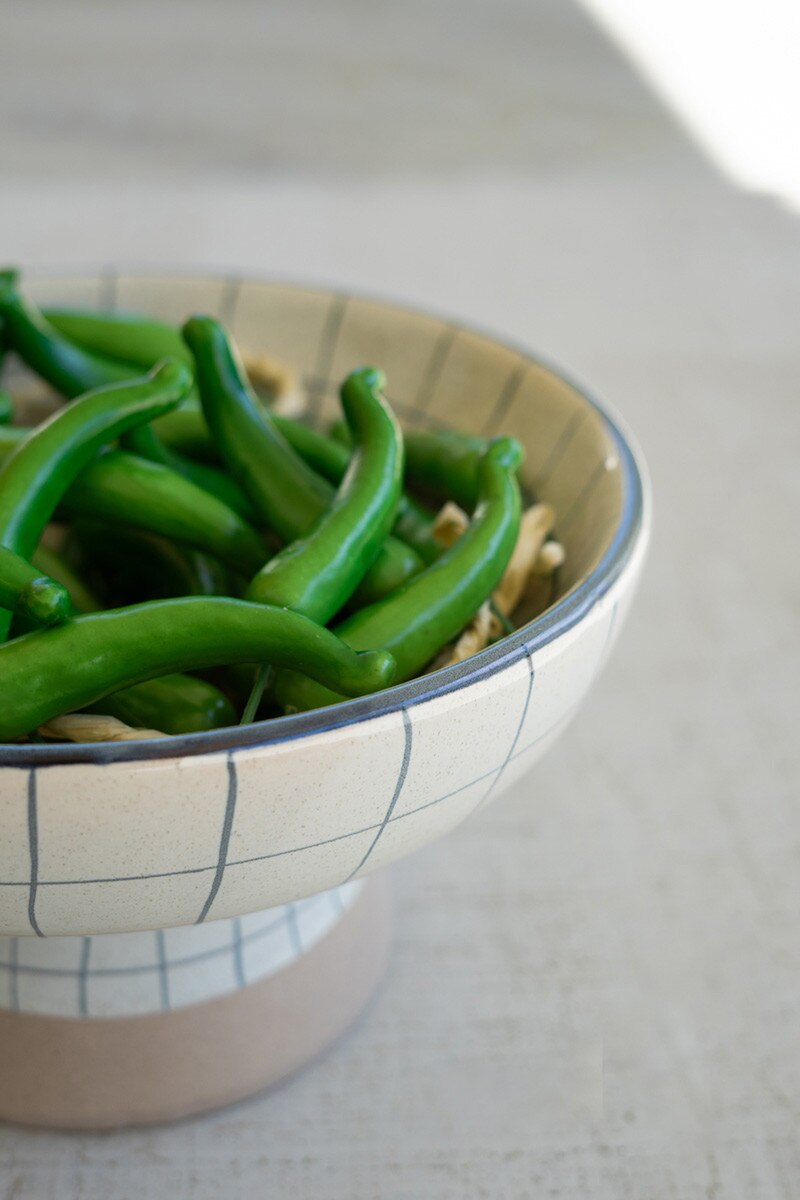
(518, 733)
(506, 397)
(163, 978)
(229, 300)
(560, 446)
(236, 951)
(13, 966)
(584, 494)
(83, 974)
(33, 847)
(109, 279)
(293, 929)
(435, 366)
(325, 353)
(401, 778)
(225, 837)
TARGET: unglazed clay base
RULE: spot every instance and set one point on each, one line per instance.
(315, 964)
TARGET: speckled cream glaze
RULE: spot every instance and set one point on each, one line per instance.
(160, 834)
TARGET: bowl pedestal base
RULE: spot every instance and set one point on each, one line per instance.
(131, 1029)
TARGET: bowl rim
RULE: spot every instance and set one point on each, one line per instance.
(561, 617)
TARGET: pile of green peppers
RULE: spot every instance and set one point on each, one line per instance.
(205, 560)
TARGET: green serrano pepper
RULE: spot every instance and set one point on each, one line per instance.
(25, 590)
(317, 573)
(185, 431)
(38, 472)
(133, 492)
(71, 370)
(422, 616)
(62, 669)
(131, 338)
(173, 704)
(285, 491)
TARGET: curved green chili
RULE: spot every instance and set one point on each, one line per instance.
(286, 492)
(65, 366)
(317, 573)
(129, 566)
(129, 337)
(48, 560)
(25, 590)
(138, 494)
(416, 621)
(445, 463)
(185, 431)
(39, 470)
(63, 669)
(173, 704)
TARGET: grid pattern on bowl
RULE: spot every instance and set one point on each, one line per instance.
(235, 867)
(133, 974)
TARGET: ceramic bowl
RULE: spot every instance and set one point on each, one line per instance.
(152, 834)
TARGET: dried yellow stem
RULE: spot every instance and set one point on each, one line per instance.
(273, 376)
(549, 559)
(88, 727)
(449, 524)
(474, 638)
(534, 527)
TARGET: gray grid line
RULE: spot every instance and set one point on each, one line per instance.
(33, 848)
(433, 371)
(163, 976)
(513, 746)
(293, 929)
(561, 446)
(83, 973)
(506, 397)
(325, 352)
(13, 982)
(243, 862)
(107, 297)
(584, 494)
(401, 778)
(236, 950)
(225, 837)
(229, 300)
(17, 968)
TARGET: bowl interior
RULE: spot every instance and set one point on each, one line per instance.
(439, 374)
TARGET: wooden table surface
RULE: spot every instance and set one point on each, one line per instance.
(595, 988)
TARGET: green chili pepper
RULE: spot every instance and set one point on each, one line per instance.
(413, 522)
(65, 366)
(28, 592)
(38, 472)
(55, 565)
(132, 338)
(446, 464)
(185, 431)
(129, 566)
(422, 616)
(130, 491)
(72, 371)
(443, 463)
(6, 408)
(173, 704)
(317, 573)
(285, 491)
(63, 669)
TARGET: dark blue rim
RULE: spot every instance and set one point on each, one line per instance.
(563, 616)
